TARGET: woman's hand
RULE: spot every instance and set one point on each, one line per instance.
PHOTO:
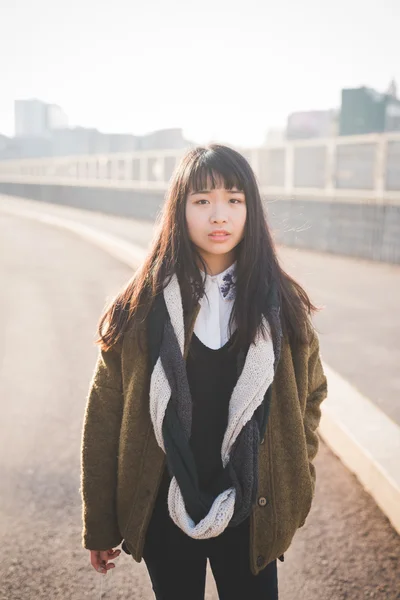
(100, 558)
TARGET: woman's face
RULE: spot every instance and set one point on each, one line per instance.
(211, 210)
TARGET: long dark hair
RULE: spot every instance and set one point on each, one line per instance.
(173, 252)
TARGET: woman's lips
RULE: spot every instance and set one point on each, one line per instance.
(219, 237)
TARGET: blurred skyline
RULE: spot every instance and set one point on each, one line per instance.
(220, 71)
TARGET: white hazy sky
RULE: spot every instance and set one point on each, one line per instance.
(220, 69)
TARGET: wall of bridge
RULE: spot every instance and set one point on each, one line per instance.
(340, 195)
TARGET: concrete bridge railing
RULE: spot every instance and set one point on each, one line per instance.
(338, 195)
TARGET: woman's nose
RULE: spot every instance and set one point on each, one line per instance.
(218, 218)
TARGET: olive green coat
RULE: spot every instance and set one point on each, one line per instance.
(122, 464)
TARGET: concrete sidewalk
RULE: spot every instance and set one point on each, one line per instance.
(358, 331)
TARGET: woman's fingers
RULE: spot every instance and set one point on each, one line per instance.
(95, 560)
(99, 559)
(105, 567)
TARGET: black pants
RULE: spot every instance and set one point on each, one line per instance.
(177, 563)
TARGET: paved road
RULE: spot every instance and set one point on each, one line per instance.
(54, 287)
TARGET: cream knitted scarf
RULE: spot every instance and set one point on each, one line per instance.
(199, 514)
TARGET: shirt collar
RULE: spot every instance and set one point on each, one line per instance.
(226, 282)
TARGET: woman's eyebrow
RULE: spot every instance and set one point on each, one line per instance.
(209, 192)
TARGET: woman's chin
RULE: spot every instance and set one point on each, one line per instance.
(217, 249)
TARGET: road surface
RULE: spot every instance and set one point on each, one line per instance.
(54, 287)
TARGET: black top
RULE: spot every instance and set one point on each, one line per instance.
(212, 376)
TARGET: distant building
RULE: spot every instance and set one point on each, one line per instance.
(163, 139)
(41, 130)
(77, 140)
(34, 118)
(275, 136)
(120, 142)
(364, 110)
(81, 140)
(392, 89)
(311, 124)
(30, 118)
(4, 141)
(392, 116)
(56, 117)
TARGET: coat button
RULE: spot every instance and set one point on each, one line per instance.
(262, 501)
(260, 561)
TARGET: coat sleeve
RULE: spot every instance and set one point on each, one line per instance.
(317, 392)
(99, 453)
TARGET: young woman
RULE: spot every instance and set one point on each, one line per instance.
(200, 427)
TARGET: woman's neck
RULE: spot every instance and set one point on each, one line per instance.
(217, 264)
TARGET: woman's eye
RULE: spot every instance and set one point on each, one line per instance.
(232, 199)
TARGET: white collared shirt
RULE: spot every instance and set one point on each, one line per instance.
(211, 325)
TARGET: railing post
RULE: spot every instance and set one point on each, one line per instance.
(255, 162)
(380, 166)
(289, 169)
(162, 160)
(143, 169)
(127, 169)
(330, 178)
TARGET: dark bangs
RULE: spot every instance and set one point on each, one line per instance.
(213, 169)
